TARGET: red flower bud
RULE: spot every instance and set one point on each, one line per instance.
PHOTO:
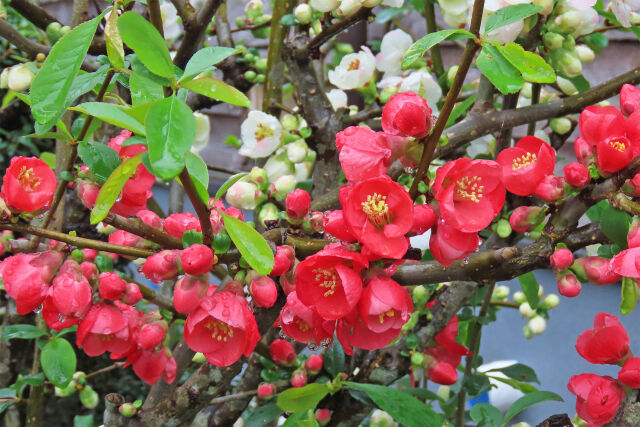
(585, 152)
(188, 292)
(89, 271)
(316, 221)
(606, 343)
(124, 238)
(263, 291)
(424, 217)
(196, 259)
(287, 283)
(176, 224)
(266, 391)
(28, 184)
(314, 364)
(407, 114)
(111, 286)
(298, 204)
(88, 193)
(323, 416)
(282, 352)
(550, 189)
(632, 186)
(299, 378)
(633, 237)
(598, 270)
(569, 285)
(161, 266)
(89, 254)
(561, 259)
(152, 334)
(629, 375)
(442, 373)
(131, 295)
(576, 175)
(150, 218)
(629, 99)
(524, 218)
(283, 260)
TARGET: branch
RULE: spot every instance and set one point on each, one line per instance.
(21, 42)
(195, 27)
(275, 67)
(201, 209)
(430, 18)
(139, 228)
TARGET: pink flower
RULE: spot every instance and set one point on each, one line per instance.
(363, 153)
(407, 114)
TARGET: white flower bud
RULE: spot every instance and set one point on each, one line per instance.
(525, 309)
(349, 7)
(277, 166)
(20, 78)
(371, 3)
(297, 151)
(302, 13)
(519, 297)
(324, 5)
(585, 54)
(551, 301)
(285, 185)
(539, 133)
(243, 195)
(537, 325)
(203, 131)
(4, 78)
(566, 86)
(561, 125)
(500, 292)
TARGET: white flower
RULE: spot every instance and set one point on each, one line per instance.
(507, 33)
(393, 47)
(354, 71)
(203, 131)
(337, 98)
(278, 165)
(20, 78)
(349, 7)
(170, 21)
(455, 20)
(483, 145)
(243, 195)
(454, 12)
(423, 83)
(261, 134)
(623, 8)
(324, 5)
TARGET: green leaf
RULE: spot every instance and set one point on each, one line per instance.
(101, 159)
(422, 393)
(302, 398)
(58, 362)
(115, 48)
(111, 113)
(7, 393)
(419, 48)
(141, 36)
(401, 406)
(217, 89)
(227, 184)
(523, 387)
(476, 384)
(519, 372)
(629, 295)
(529, 400)
(486, 415)
(24, 332)
(24, 380)
(252, 246)
(615, 224)
(388, 13)
(83, 420)
(504, 76)
(49, 158)
(171, 129)
(53, 81)
(579, 82)
(263, 415)
(144, 90)
(191, 237)
(334, 359)
(199, 173)
(112, 188)
(509, 15)
(530, 287)
(204, 59)
(459, 109)
(533, 68)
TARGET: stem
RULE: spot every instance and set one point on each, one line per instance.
(474, 345)
(155, 16)
(105, 369)
(430, 18)
(275, 66)
(456, 86)
(535, 99)
(201, 209)
(503, 139)
(36, 393)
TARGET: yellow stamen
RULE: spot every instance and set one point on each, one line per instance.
(221, 331)
(263, 132)
(28, 180)
(327, 279)
(302, 325)
(618, 145)
(354, 65)
(377, 210)
(469, 188)
(390, 313)
(524, 160)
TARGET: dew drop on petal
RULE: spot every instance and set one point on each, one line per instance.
(61, 318)
(38, 310)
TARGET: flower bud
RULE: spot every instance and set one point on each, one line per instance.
(451, 74)
(287, 283)
(282, 352)
(576, 175)
(566, 86)
(585, 54)
(424, 217)
(313, 364)
(632, 186)
(525, 218)
(111, 286)
(197, 259)
(161, 266)
(569, 22)
(316, 222)
(503, 228)
(519, 297)
(283, 260)
(243, 195)
(417, 359)
(89, 398)
(67, 391)
(20, 78)
(189, 291)
(263, 291)
(546, 5)
(560, 125)
(277, 166)
(570, 65)
(526, 331)
(266, 391)
(289, 121)
(268, 212)
(500, 293)
(569, 286)
(89, 270)
(323, 416)
(585, 152)
(537, 325)
(550, 302)
(597, 270)
(551, 189)
(561, 259)
(132, 294)
(303, 13)
(348, 7)
(442, 373)
(127, 410)
(198, 358)
(299, 378)
(203, 132)
(4, 78)
(633, 236)
(284, 185)
(178, 223)
(297, 151)
(152, 334)
(254, 9)
(407, 114)
(569, 44)
(525, 309)
(629, 99)
(298, 204)
(552, 41)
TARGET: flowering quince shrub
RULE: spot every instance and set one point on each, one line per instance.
(358, 259)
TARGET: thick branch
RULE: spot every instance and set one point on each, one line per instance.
(201, 209)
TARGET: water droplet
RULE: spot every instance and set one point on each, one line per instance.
(312, 346)
(119, 198)
(325, 343)
(61, 318)
(38, 310)
(282, 334)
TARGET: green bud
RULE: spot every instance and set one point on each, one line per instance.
(519, 297)
(546, 5)
(127, 410)
(53, 32)
(89, 398)
(269, 212)
(254, 9)
(221, 243)
(451, 73)
(552, 41)
(240, 22)
(585, 54)
(528, 334)
(250, 75)
(76, 255)
(386, 94)
(259, 177)
(261, 65)
(260, 78)
(566, 86)
(65, 30)
(500, 293)
(570, 65)
(551, 301)
(417, 359)
(561, 125)
(67, 391)
(503, 228)
(569, 43)
(420, 295)
(303, 13)
(198, 358)
(344, 48)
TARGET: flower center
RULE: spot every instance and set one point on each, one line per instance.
(302, 325)
(377, 210)
(354, 65)
(618, 145)
(524, 160)
(469, 188)
(106, 337)
(327, 279)
(390, 313)
(220, 330)
(263, 132)
(28, 180)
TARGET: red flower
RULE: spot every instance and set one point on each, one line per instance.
(633, 237)
(608, 342)
(448, 244)
(599, 123)
(629, 375)
(151, 335)
(282, 352)
(111, 286)
(424, 217)
(353, 332)
(446, 356)
(150, 365)
(379, 213)
(223, 328)
(263, 291)
(470, 193)
(161, 266)
(283, 260)
(569, 285)
(26, 278)
(329, 281)
(28, 184)
(626, 263)
(407, 114)
(524, 165)
(104, 328)
(298, 204)
(384, 305)
(197, 259)
(597, 270)
(188, 292)
(442, 373)
(614, 154)
(598, 398)
(629, 99)
(71, 296)
(176, 224)
(297, 320)
(363, 153)
(334, 224)
(576, 175)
